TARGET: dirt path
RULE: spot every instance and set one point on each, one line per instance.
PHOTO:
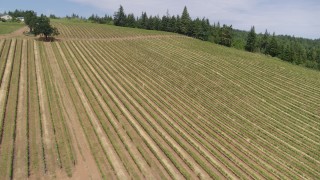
(20, 157)
(17, 33)
(48, 135)
(85, 165)
(5, 82)
(117, 164)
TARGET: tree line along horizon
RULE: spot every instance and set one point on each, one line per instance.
(299, 51)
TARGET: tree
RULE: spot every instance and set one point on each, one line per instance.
(196, 28)
(164, 23)
(157, 23)
(120, 17)
(131, 21)
(225, 36)
(251, 40)
(318, 58)
(264, 42)
(287, 53)
(216, 33)
(172, 26)
(43, 27)
(52, 16)
(205, 29)
(143, 21)
(30, 19)
(185, 22)
(200, 29)
(272, 48)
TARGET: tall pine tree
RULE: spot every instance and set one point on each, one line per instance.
(225, 35)
(272, 48)
(120, 17)
(251, 40)
(131, 21)
(264, 42)
(185, 22)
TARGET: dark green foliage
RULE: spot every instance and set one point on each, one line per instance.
(30, 19)
(120, 17)
(318, 59)
(164, 23)
(52, 16)
(272, 47)
(172, 24)
(43, 27)
(17, 13)
(287, 53)
(101, 20)
(299, 53)
(143, 21)
(131, 21)
(225, 35)
(264, 42)
(153, 23)
(295, 50)
(251, 40)
(198, 28)
(75, 16)
(185, 24)
(216, 33)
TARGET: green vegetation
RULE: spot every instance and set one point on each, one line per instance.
(251, 40)
(77, 29)
(117, 102)
(300, 51)
(37, 25)
(9, 27)
(43, 27)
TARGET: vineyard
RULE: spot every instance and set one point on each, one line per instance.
(106, 102)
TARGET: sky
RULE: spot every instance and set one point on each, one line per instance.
(288, 17)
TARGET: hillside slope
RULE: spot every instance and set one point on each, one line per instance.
(106, 102)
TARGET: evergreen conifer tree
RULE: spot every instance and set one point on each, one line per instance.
(120, 17)
(251, 40)
(225, 35)
(164, 23)
(172, 26)
(185, 22)
(131, 21)
(264, 42)
(272, 48)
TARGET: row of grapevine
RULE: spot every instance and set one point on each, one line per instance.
(110, 102)
(27, 149)
(84, 30)
(170, 62)
(286, 132)
(8, 127)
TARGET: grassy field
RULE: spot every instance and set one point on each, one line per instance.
(9, 27)
(107, 102)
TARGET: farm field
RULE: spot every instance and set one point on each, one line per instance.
(106, 102)
(6, 27)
